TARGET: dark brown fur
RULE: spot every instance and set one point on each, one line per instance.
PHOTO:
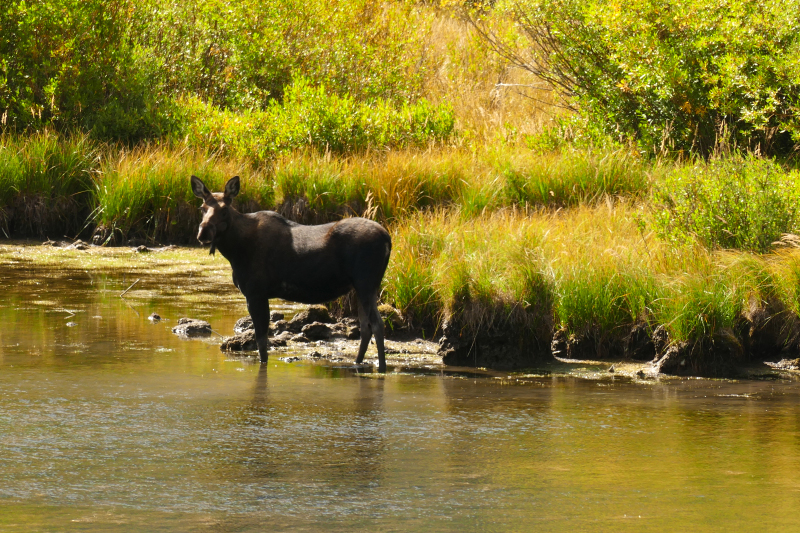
(273, 257)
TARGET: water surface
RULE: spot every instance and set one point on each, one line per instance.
(109, 422)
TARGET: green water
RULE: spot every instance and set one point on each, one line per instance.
(112, 423)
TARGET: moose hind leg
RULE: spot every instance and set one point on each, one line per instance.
(376, 322)
(371, 318)
(366, 331)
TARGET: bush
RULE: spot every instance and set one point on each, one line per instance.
(671, 75)
(313, 116)
(72, 63)
(738, 202)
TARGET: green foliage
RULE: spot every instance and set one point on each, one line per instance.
(72, 63)
(314, 117)
(243, 55)
(673, 75)
(737, 202)
(118, 68)
(45, 184)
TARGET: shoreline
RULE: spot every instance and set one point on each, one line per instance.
(504, 346)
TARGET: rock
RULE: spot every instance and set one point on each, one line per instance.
(191, 327)
(787, 364)
(611, 369)
(353, 333)
(71, 324)
(101, 235)
(290, 359)
(243, 324)
(275, 316)
(48, 242)
(317, 331)
(79, 245)
(316, 355)
(284, 336)
(242, 342)
(299, 338)
(392, 319)
(141, 249)
(154, 318)
(281, 325)
(315, 313)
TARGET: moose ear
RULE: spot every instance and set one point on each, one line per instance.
(199, 188)
(232, 187)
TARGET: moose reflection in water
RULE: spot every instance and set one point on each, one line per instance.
(273, 257)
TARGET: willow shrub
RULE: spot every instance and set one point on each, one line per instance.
(313, 116)
(738, 202)
(671, 75)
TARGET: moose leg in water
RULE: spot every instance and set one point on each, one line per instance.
(371, 324)
(259, 313)
(273, 257)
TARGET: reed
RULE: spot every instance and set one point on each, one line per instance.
(144, 193)
(45, 184)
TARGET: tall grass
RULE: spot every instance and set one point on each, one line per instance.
(45, 184)
(590, 270)
(145, 193)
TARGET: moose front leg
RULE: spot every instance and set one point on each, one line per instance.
(259, 312)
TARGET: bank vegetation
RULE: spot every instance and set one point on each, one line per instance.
(588, 179)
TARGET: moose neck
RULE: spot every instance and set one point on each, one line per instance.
(235, 242)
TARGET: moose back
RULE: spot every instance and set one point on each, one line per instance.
(273, 257)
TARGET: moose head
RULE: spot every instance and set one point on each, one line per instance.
(216, 209)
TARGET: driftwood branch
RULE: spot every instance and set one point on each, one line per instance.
(129, 288)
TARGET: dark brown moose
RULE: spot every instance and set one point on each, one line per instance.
(273, 257)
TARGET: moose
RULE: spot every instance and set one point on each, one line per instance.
(273, 257)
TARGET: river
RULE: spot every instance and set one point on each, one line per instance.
(110, 422)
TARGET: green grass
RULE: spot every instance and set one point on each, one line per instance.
(45, 184)
(145, 193)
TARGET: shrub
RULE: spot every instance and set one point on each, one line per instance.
(738, 202)
(671, 75)
(313, 116)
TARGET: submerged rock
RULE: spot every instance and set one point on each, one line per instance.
(155, 317)
(192, 327)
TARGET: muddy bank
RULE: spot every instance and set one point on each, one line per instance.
(767, 333)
